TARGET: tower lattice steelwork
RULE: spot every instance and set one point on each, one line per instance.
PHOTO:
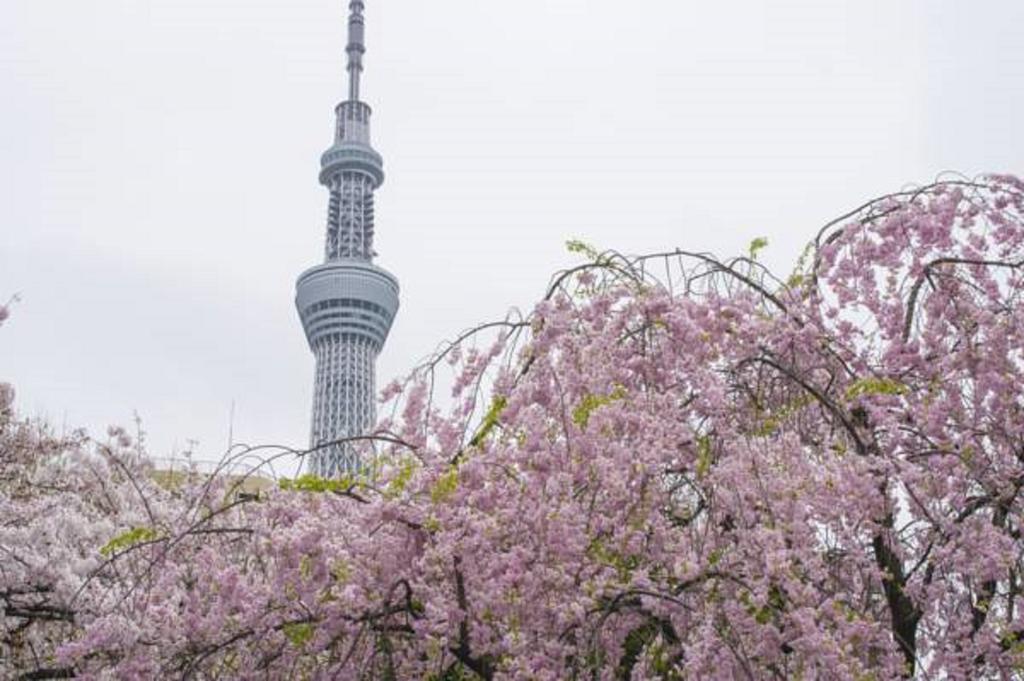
(347, 304)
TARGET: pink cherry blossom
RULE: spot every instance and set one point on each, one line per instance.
(674, 467)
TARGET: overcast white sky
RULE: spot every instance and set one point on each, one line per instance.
(158, 164)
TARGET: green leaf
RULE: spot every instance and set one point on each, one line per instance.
(800, 272)
(398, 483)
(299, 633)
(314, 483)
(703, 455)
(582, 248)
(756, 246)
(498, 405)
(445, 486)
(341, 571)
(875, 386)
(589, 403)
(136, 535)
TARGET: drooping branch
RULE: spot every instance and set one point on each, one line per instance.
(915, 290)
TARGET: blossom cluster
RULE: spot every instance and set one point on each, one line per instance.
(706, 473)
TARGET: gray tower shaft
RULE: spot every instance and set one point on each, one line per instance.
(347, 304)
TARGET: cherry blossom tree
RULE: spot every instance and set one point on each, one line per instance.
(674, 467)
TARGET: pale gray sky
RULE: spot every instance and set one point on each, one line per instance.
(158, 164)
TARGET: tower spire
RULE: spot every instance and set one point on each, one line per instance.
(347, 304)
(355, 48)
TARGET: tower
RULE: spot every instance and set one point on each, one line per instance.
(347, 304)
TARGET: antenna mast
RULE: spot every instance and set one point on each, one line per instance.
(355, 48)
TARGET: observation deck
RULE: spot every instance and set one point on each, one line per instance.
(351, 150)
(349, 298)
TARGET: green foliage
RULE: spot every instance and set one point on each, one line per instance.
(763, 614)
(299, 633)
(314, 483)
(647, 642)
(703, 455)
(341, 571)
(125, 540)
(844, 610)
(756, 246)
(875, 386)
(775, 419)
(636, 640)
(623, 564)
(589, 403)
(398, 483)
(1013, 644)
(491, 418)
(445, 486)
(582, 248)
(800, 272)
